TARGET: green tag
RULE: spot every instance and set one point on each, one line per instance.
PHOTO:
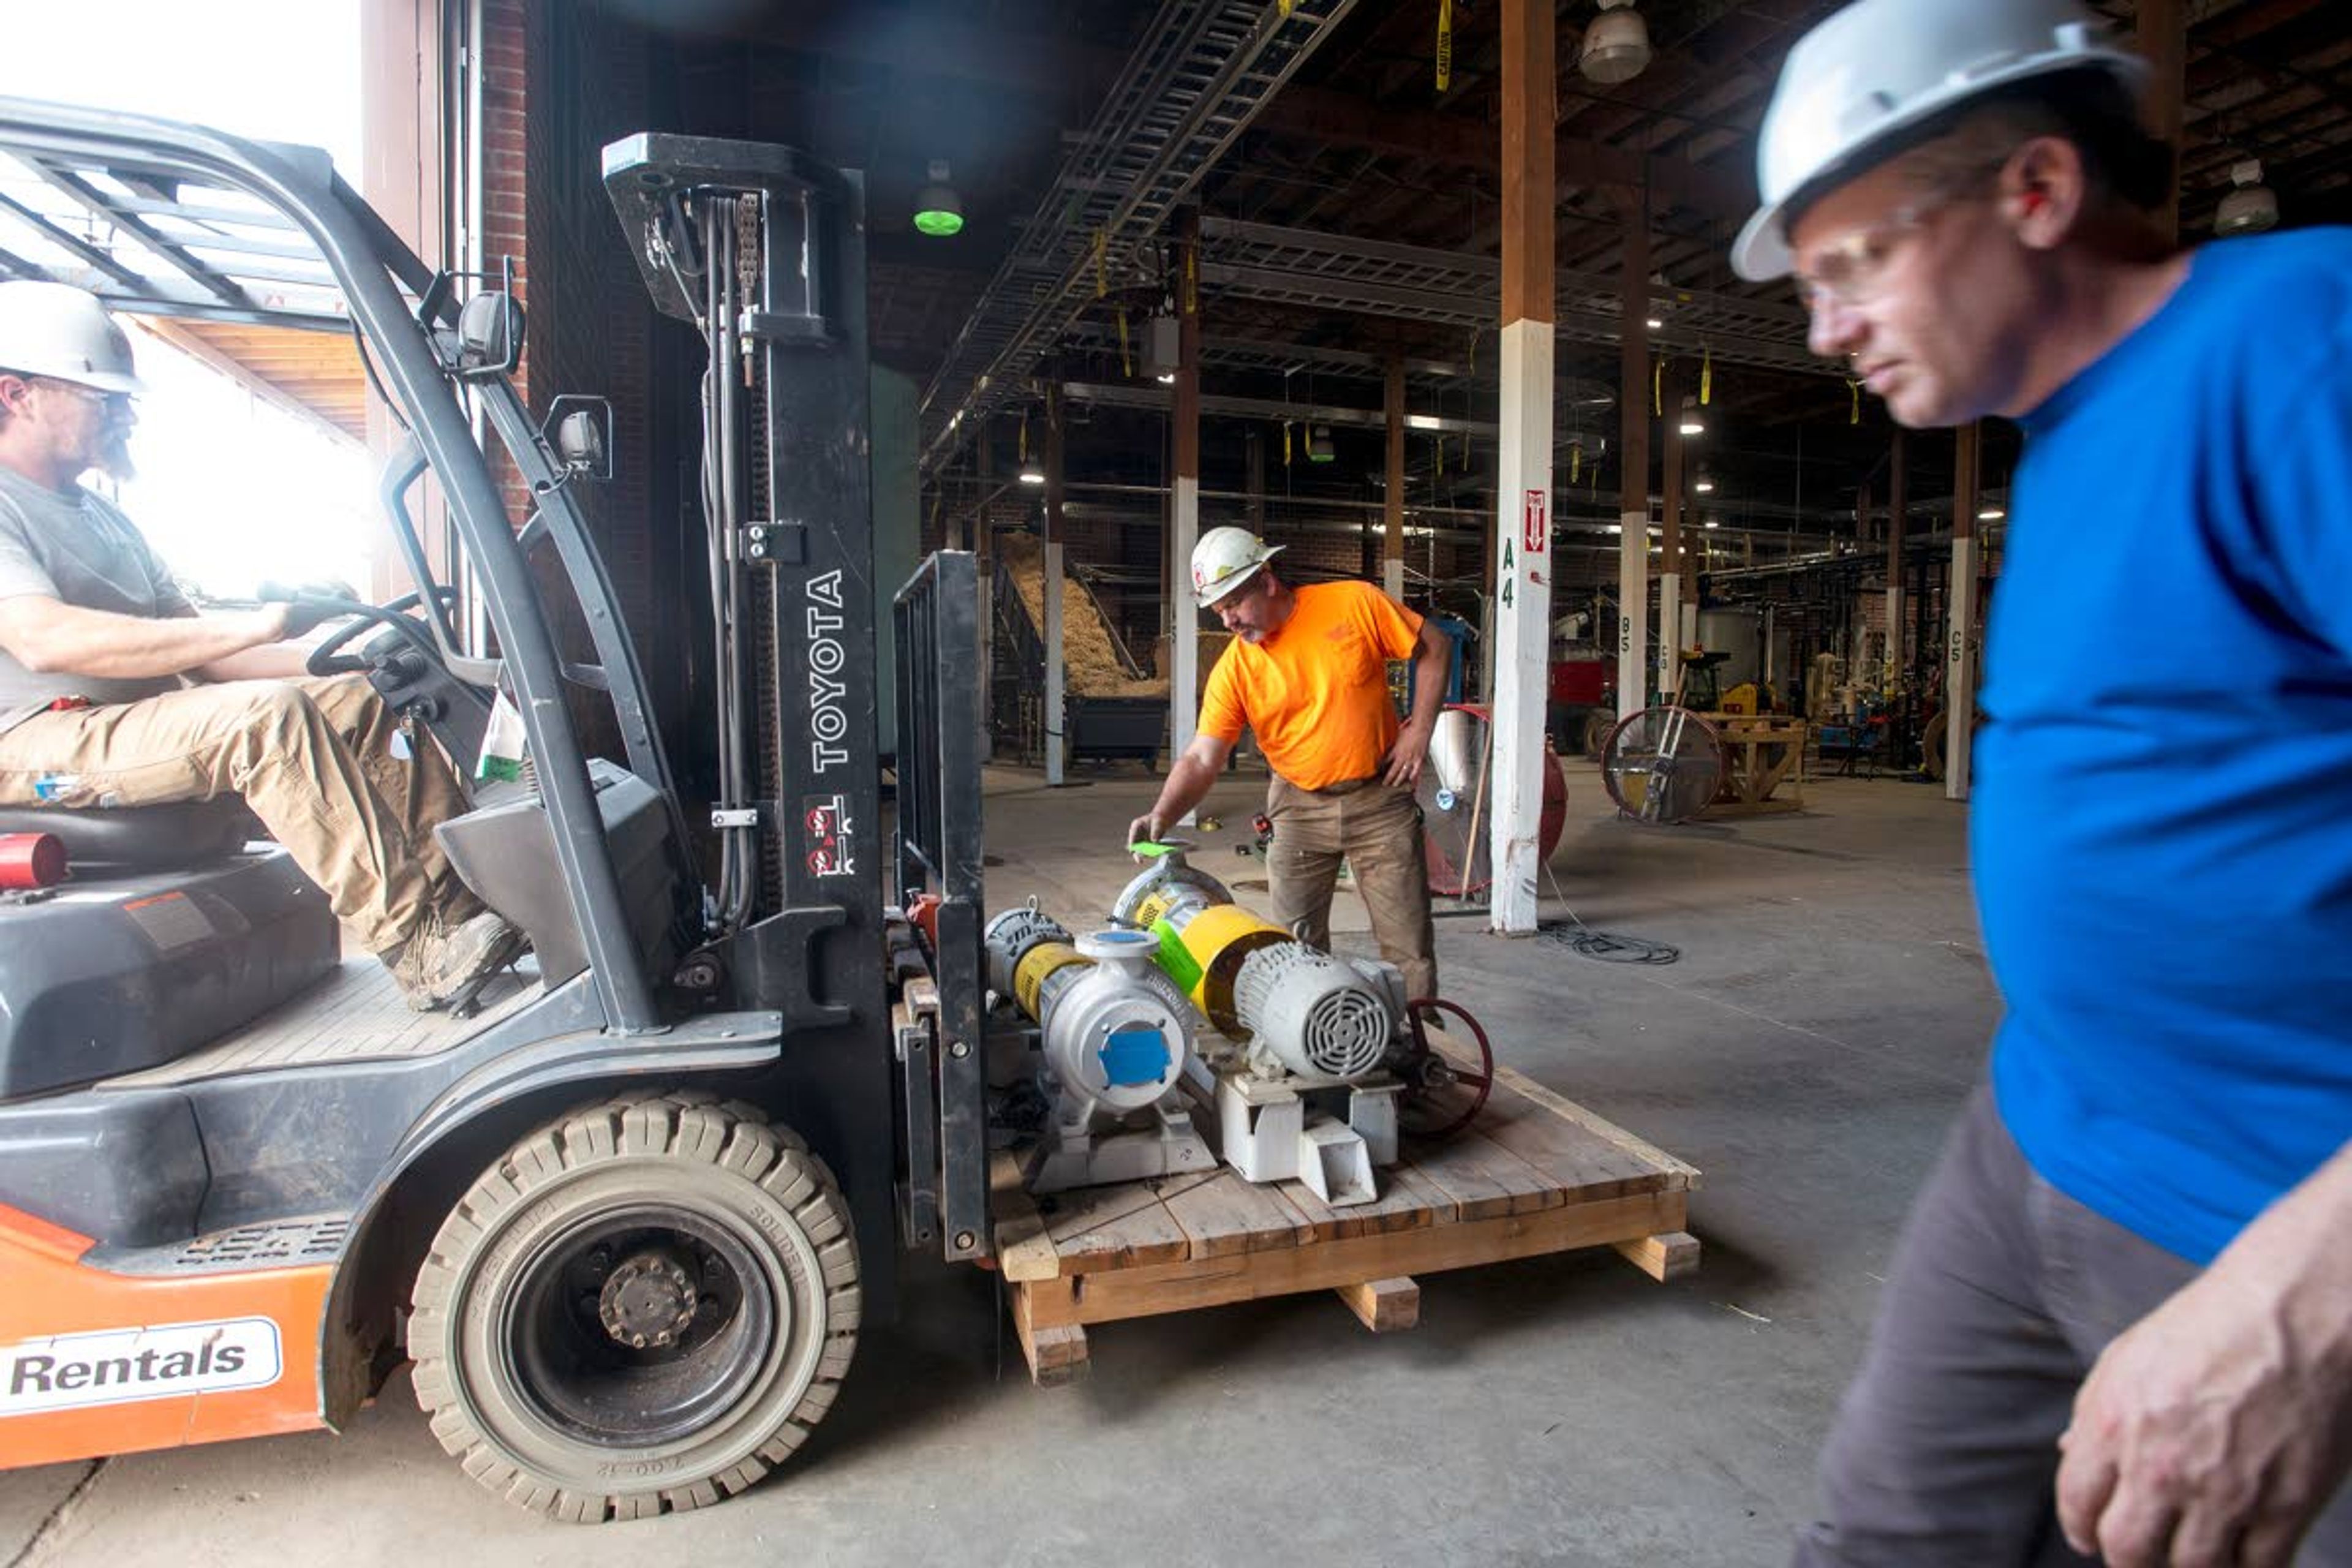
(1144, 849)
(1175, 959)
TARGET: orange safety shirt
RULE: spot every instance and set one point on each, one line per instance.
(1316, 692)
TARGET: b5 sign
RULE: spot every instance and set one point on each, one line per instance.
(114, 1366)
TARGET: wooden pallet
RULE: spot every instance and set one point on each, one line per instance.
(1536, 1173)
(1761, 752)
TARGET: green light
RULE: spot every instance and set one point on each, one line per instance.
(934, 221)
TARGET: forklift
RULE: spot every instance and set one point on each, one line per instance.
(626, 1211)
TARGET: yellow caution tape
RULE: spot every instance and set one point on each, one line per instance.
(1286, 8)
(1855, 387)
(1445, 44)
(1575, 461)
(1024, 437)
(1192, 280)
(1102, 264)
(1707, 377)
(1285, 443)
(1658, 388)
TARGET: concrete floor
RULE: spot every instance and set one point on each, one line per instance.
(1829, 1012)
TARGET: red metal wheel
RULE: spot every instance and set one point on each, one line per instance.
(1429, 1074)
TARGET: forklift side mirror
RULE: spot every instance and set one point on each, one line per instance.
(578, 435)
(490, 336)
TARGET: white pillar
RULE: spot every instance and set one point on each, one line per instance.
(1052, 719)
(1633, 613)
(1523, 569)
(1670, 620)
(1959, 668)
(1392, 579)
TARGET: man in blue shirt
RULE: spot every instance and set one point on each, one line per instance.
(2122, 1310)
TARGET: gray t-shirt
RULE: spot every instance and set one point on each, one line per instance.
(80, 549)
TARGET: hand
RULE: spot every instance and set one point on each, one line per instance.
(2210, 1431)
(1144, 829)
(1404, 758)
(305, 606)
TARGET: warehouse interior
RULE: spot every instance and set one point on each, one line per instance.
(1140, 268)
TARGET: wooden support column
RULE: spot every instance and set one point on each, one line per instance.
(1896, 495)
(1634, 461)
(1053, 719)
(2164, 40)
(1522, 553)
(1670, 539)
(1184, 616)
(1961, 612)
(1392, 501)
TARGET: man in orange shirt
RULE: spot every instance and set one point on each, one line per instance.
(1307, 671)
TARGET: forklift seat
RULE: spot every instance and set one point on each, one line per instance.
(167, 838)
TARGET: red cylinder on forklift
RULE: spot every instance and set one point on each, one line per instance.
(31, 860)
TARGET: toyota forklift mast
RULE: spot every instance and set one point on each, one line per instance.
(762, 250)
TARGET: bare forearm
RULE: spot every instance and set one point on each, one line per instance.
(270, 661)
(56, 638)
(1429, 673)
(1188, 784)
(2295, 1247)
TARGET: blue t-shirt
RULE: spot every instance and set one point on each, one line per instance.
(2162, 829)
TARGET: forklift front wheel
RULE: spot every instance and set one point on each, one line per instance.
(639, 1309)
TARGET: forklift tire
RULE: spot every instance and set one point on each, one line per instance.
(639, 1309)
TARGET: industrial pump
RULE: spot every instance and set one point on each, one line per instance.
(1300, 1087)
(1117, 1037)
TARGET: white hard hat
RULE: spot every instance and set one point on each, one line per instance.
(1223, 559)
(57, 330)
(1880, 68)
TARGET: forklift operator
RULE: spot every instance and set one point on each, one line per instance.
(1307, 672)
(116, 691)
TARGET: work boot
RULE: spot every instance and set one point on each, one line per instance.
(442, 963)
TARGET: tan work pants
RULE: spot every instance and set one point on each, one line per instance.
(1377, 830)
(314, 761)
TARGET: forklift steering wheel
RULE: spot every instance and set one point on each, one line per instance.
(328, 657)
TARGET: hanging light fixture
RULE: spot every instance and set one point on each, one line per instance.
(1318, 444)
(938, 211)
(1704, 484)
(1617, 46)
(2250, 206)
(1692, 425)
(1032, 471)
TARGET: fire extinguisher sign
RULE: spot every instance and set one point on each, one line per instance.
(1536, 535)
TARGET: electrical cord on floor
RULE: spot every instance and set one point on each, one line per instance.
(1602, 947)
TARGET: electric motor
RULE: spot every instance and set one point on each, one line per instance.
(1009, 938)
(1318, 1014)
